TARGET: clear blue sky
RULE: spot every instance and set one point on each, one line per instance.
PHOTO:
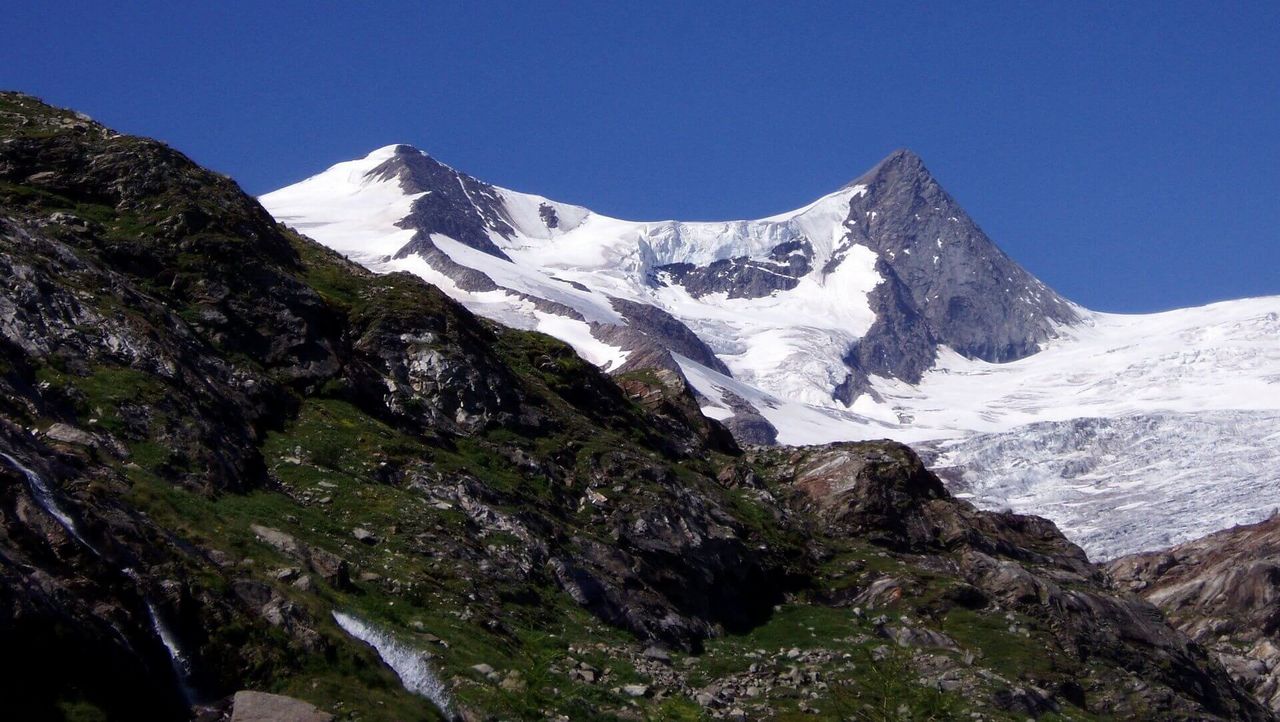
(1127, 153)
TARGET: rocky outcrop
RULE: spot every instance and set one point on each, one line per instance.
(250, 706)
(880, 491)
(667, 396)
(873, 492)
(899, 343)
(1224, 592)
(651, 335)
(743, 277)
(420, 357)
(457, 205)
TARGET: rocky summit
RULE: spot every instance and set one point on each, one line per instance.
(242, 477)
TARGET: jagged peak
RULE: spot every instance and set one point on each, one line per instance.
(901, 163)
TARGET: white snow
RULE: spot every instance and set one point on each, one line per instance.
(790, 344)
(797, 422)
(1222, 356)
(578, 334)
(355, 215)
(1129, 483)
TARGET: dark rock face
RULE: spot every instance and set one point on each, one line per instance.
(748, 425)
(466, 277)
(744, 277)
(548, 215)
(67, 610)
(970, 295)
(457, 205)
(652, 335)
(689, 557)
(899, 343)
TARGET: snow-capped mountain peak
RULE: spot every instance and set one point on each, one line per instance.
(880, 309)
(810, 305)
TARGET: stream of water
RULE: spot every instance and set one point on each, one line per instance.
(409, 664)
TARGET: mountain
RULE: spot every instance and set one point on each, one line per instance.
(873, 276)
(880, 310)
(241, 474)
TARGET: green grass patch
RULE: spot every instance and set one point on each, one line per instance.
(1008, 651)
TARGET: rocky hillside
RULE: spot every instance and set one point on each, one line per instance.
(1224, 592)
(233, 461)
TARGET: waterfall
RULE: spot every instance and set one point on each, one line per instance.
(409, 664)
(178, 659)
(48, 500)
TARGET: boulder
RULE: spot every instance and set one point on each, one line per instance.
(250, 706)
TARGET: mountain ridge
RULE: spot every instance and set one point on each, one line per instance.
(878, 310)
(743, 272)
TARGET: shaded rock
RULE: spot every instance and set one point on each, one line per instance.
(877, 490)
(1024, 700)
(1223, 590)
(68, 434)
(917, 637)
(330, 567)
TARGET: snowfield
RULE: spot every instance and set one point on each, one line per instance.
(1132, 432)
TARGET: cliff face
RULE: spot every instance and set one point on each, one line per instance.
(1223, 591)
(217, 434)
